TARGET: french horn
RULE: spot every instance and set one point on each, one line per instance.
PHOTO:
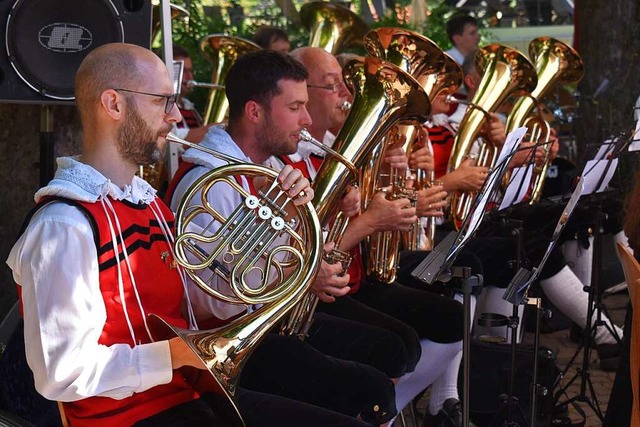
(241, 250)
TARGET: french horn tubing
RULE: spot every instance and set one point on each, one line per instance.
(237, 249)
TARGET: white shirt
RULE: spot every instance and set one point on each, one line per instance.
(56, 264)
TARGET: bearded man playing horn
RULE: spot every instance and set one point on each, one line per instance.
(95, 257)
(267, 98)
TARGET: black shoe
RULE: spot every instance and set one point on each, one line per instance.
(449, 416)
(609, 355)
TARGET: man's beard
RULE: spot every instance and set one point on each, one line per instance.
(137, 142)
(274, 140)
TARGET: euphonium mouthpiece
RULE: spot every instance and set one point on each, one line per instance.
(346, 106)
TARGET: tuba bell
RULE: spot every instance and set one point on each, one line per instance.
(555, 62)
(222, 52)
(237, 249)
(505, 72)
(332, 27)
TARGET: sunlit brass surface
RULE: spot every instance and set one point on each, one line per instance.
(555, 62)
(332, 27)
(242, 246)
(222, 52)
(505, 72)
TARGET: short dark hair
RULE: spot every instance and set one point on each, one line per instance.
(267, 35)
(255, 77)
(469, 64)
(179, 51)
(456, 24)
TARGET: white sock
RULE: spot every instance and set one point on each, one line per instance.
(446, 385)
(429, 367)
(566, 292)
(491, 301)
(579, 259)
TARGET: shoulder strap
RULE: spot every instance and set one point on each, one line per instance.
(47, 200)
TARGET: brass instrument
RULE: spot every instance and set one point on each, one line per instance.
(383, 96)
(242, 246)
(505, 72)
(332, 27)
(177, 12)
(222, 52)
(421, 58)
(555, 62)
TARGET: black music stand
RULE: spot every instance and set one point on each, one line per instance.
(438, 265)
(598, 173)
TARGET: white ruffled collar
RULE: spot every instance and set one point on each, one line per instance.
(78, 181)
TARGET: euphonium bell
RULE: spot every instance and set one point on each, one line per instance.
(555, 62)
(505, 72)
(222, 52)
(332, 27)
(237, 249)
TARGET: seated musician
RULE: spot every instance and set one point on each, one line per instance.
(430, 325)
(562, 284)
(335, 366)
(91, 264)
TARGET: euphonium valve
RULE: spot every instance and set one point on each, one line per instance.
(267, 251)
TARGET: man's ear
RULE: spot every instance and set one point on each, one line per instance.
(470, 82)
(253, 111)
(112, 104)
(456, 39)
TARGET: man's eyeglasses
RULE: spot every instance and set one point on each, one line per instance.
(170, 99)
(334, 88)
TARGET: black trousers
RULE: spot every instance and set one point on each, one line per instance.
(295, 369)
(257, 410)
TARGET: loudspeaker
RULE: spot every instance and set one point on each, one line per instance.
(46, 40)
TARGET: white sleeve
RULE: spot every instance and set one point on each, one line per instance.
(55, 263)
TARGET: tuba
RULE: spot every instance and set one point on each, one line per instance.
(177, 13)
(222, 52)
(555, 62)
(505, 72)
(242, 248)
(383, 96)
(419, 57)
(332, 27)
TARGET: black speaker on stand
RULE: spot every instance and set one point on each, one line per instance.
(46, 40)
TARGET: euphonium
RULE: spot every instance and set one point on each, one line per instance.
(332, 27)
(505, 72)
(177, 12)
(222, 52)
(421, 58)
(235, 248)
(383, 95)
(555, 62)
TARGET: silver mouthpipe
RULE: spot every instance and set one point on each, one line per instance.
(193, 83)
(346, 106)
(230, 159)
(450, 99)
(306, 136)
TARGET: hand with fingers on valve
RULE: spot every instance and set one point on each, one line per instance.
(330, 282)
(395, 157)
(422, 159)
(350, 202)
(383, 214)
(495, 130)
(296, 185)
(432, 200)
(467, 177)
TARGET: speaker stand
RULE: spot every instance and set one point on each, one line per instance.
(47, 145)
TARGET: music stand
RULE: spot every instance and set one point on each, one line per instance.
(516, 294)
(597, 174)
(438, 265)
